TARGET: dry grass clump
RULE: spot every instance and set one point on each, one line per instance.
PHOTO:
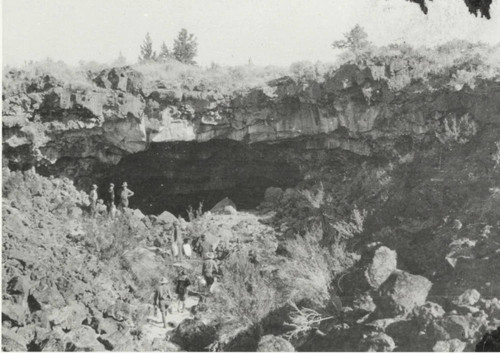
(111, 238)
(355, 225)
(303, 321)
(244, 293)
(309, 270)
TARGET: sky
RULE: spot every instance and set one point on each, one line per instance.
(229, 32)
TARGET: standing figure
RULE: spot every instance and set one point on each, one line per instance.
(174, 238)
(124, 195)
(110, 200)
(221, 251)
(93, 200)
(209, 269)
(181, 289)
(186, 248)
(178, 238)
(162, 299)
(205, 247)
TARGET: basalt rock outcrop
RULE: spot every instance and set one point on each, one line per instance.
(235, 144)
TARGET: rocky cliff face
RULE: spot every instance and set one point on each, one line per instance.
(199, 144)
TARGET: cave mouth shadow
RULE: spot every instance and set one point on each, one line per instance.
(174, 176)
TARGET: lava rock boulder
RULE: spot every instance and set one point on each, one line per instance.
(401, 293)
(193, 335)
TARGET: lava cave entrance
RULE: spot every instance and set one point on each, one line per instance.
(174, 176)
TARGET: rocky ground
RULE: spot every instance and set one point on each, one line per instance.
(372, 197)
(70, 284)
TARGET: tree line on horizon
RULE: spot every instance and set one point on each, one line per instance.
(184, 49)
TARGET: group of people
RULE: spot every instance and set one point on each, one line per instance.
(163, 297)
(109, 199)
(179, 248)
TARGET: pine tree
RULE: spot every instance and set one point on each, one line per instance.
(185, 47)
(356, 40)
(164, 53)
(147, 53)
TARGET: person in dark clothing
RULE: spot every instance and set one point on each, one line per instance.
(221, 251)
(162, 299)
(209, 270)
(110, 198)
(204, 247)
(182, 283)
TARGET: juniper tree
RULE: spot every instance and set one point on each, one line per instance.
(185, 47)
(164, 53)
(147, 53)
(356, 40)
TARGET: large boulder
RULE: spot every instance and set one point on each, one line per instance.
(68, 317)
(428, 312)
(117, 340)
(12, 342)
(83, 338)
(142, 263)
(468, 298)
(230, 210)
(408, 336)
(193, 335)
(454, 345)
(462, 326)
(46, 293)
(374, 267)
(14, 314)
(383, 262)
(166, 218)
(271, 343)
(401, 293)
(492, 308)
(220, 206)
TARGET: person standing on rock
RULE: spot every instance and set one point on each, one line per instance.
(162, 299)
(177, 240)
(174, 247)
(93, 200)
(124, 195)
(209, 269)
(110, 199)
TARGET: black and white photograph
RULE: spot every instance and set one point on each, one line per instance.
(250, 175)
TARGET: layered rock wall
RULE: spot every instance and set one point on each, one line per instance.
(88, 134)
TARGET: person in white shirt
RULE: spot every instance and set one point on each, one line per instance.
(186, 249)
